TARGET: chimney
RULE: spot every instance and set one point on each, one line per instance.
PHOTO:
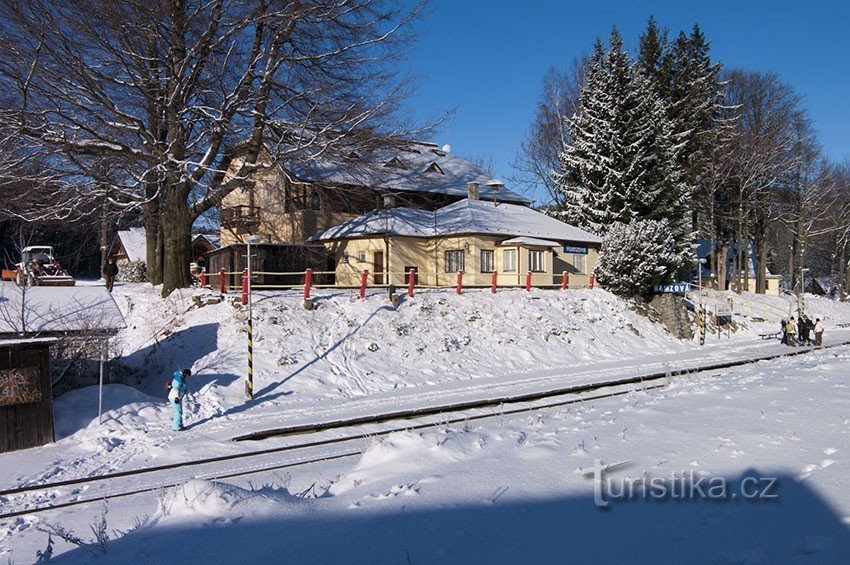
(473, 192)
(389, 200)
(494, 186)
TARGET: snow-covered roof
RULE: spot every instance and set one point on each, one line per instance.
(213, 239)
(134, 243)
(461, 217)
(410, 167)
(73, 309)
(704, 249)
(530, 241)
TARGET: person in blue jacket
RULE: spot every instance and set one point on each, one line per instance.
(175, 398)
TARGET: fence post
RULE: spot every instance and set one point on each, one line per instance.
(411, 282)
(592, 280)
(222, 280)
(364, 278)
(308, 282)
(244, 286)
(459, 282)
(494, 280)
(204, 278)
(565, 280)
(528, 282)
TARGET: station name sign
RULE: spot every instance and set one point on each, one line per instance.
(673, 288)
(575, 250)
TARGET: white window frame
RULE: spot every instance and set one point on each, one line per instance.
(361, 256)
(580, 263)
(451, 257)
(509, 265)
(532, 262)
(488, 265)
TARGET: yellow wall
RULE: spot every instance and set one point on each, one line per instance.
(276, 224)
(772, 284)
(428, 256)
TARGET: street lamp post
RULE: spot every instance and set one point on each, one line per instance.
(802, 289)
(249, 382)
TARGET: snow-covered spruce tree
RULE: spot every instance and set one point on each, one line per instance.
(637, 256)
(682, 73)
(622, 160)
(584, 180)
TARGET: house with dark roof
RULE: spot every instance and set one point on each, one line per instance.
(745, 252)
(471, 235)
(290, 200)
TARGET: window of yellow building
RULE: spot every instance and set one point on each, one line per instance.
(535, 261)
(509, 259)
(454, 261)
(487, 262)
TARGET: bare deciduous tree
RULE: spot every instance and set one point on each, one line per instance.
(767, 150)
(537, 157)
(148, 99)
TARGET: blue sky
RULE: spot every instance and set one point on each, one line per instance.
(486, 59)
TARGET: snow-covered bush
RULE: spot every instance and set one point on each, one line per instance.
(134, 271)
(637, 256)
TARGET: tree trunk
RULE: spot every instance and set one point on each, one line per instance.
(177, 239)
(104, 238)
(760, 242)
(153, 239)
(720, 270)
(843, 273)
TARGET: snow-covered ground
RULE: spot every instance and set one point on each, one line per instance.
(503, 489)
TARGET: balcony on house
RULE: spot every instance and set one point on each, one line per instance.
(241, 216)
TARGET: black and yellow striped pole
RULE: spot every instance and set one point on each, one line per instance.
(249, 381)
(701, 324)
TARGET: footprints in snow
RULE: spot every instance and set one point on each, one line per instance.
(807, 470)
(411, 489)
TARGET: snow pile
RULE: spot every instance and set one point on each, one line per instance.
(349, 348)
(200, 500)
(403, 452)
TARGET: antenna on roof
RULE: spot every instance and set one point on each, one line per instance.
(447, 148)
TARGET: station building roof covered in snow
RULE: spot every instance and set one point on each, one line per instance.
(405, 167)
(467, 216)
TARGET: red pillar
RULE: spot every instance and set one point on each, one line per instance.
(222, 280)
(494, 281)
(411, 281)
(565, 280)
(459, 282)
(364, 278)
(308, 282)
(245, 286)
(528, 282)
(203, 278)
(592, 280)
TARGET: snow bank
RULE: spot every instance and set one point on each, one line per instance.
(402, 453)
(206, 501)
(348, 348)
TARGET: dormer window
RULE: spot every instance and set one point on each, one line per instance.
(434, 168)
(396, 163)
(354, 156)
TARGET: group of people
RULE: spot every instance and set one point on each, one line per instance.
(800, 332)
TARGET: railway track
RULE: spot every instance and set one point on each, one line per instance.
(348, 445)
